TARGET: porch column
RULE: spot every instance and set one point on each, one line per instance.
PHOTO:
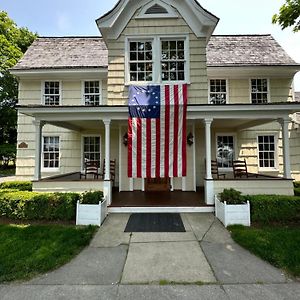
(286, 147)
(209, 184)
(107, 183)
(38, 148)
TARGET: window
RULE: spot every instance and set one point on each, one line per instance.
(157, 60)
(141, 64)
(218, 91)
(266, 151)
(51, 93)
(225, 151)
(91, 148)
(51, 152)
(92, 94)
(259, 91)
(172, 60)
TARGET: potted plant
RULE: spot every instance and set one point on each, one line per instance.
(232, 208)
(91, 209)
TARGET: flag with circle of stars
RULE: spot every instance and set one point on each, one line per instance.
(144, 102)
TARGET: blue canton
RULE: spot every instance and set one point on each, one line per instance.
(144, 102)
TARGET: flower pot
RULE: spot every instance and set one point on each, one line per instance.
(91, 214)
(232, 214)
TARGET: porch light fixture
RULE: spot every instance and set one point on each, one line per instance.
(190, 139)
(125, 139)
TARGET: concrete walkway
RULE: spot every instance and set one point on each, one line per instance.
(202, 263)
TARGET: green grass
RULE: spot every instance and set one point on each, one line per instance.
(29, 250)
(280, 246)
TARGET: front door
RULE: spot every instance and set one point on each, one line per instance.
(157, 185)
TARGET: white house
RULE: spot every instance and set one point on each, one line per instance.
(73, 106)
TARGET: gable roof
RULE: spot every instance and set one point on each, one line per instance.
(91, 52)
(245, 50)
(65, 53)
(201, 21)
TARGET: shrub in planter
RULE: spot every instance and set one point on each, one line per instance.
(92, 197)
(231, 196)
(18, 185)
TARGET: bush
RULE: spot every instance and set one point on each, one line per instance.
(297, 191)
(92, 197)
(273, 208)
(17, 185)
(38, 206)
(297, 184)
(231, 196)
(7, 154)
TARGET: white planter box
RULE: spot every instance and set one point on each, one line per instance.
(91, 214)
(231, 214)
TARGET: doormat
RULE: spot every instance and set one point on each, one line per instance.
(154, 222)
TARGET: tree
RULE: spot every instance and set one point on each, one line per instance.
(289, 15)
(14, 41)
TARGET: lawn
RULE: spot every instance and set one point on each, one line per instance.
(29, 250)
(278, 245)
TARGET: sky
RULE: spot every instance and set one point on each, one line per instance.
(77, 17)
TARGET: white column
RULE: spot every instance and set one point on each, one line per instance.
(208, 147)
(107, 149)
(38, 148)
(209, 183)
(286, 147)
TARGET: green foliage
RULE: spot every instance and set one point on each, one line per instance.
(297, 184)
(297, 191)
(26, 251)
(7, 155)
(92, 197)
(289, 15)
(26, 205)
(18, 185)
(277, 245)
(272, 208)
(231, 196)
(14, 41)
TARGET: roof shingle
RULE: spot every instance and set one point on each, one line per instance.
(64, 52)
(91, 52)
(245, 50)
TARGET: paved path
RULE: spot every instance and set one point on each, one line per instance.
(202, 263)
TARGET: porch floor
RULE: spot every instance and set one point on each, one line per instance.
(158, 199)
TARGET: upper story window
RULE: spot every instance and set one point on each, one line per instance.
(259, 91)
(92, 93)
(51, 93)
(172, 60)
(157, 60)
(218, 91)
(141, 61)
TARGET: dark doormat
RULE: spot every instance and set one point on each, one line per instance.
(153, 222)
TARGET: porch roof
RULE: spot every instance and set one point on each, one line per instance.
(80, 117)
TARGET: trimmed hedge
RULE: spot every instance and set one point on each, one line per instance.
(26, 205)
(273, 208)
(17, 185)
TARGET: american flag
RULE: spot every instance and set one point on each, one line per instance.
(157, 131)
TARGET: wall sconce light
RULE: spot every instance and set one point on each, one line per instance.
(190, 139)
(125, 139)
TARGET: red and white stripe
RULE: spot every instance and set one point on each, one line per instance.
(157, 147)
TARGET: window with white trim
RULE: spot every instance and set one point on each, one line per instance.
(51, 152)
(141, 61)
(51, 93)
(172, 60)
(92, 93)
(91, 148)
(218, 91)
(266, 151)
(156, 60)
(259, 91)
(225, 151)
